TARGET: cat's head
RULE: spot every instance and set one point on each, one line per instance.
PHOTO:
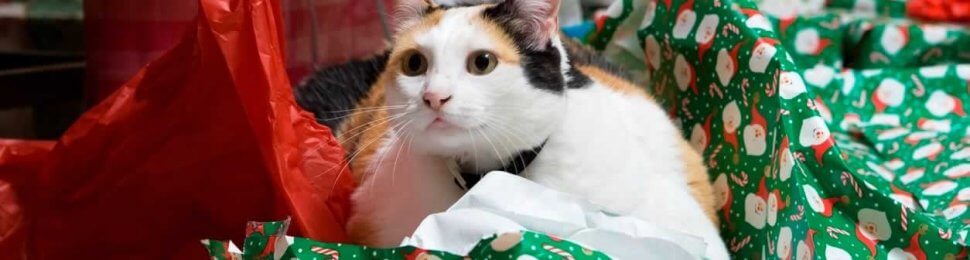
(482, 78)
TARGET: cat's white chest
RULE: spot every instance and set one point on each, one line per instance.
(610, 147)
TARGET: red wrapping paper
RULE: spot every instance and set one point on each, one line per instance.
(940, 10)
(199, 142)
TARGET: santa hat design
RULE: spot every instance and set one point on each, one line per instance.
(786, 22)
(829, 203)
(904, 29)
(822, 44)
(822, 148)
(888, 88)
(686, 6)
(756, 118)
(756, 19)
(731, 111)
(727, 64)
(705, 34)
(958, 107)
(781, 203)
(914, 245)
(762, 189)
(732, 139)
(903, 196)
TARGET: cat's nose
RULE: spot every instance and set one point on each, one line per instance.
(435, 100)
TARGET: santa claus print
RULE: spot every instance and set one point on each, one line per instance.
(762, 54)
(819, 76)
(727, 64)
(939, 188)
(701, 134)
(817, 203)
(959, 171)
(774, 205)
(894, 38)
(783, 248)
(731, 117)
(942, 126)
(932, 72)
(912, 175)
(873, 226)
(941, 104)
(835, 253)
(848, 81)
(929, 151)
(955, 209)
(756, 206)
(686, 17)
(808, 42)
(963, 71)
(755, 133)
(892, 133)
(934, 34)
(705, 34)
(913, 252)
(790, 85)
(806, 248)
(962, 154)
(684, 74)
(756, 20)
(815, 134)
(881, 171)
(786, 160)
(649, 14)
(902, 197)
(889, 93)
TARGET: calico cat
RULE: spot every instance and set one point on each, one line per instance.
(468, 89)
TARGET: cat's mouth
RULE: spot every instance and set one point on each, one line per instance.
(441, 123)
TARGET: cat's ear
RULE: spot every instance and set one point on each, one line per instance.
(410, 12)
(533, 21)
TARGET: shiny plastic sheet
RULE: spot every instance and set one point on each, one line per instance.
(199, 142)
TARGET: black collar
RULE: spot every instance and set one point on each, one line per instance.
(516, 166)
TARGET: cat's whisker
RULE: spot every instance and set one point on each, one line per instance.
(497, 154)
(366, 127)
(514, 132)
(406, 136)
(506, 147)
(394, 139)
(360, 149)
(368, 108)
(354, 112)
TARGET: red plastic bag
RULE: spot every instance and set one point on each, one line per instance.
(200, 141)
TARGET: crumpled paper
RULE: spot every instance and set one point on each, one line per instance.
(503, 203)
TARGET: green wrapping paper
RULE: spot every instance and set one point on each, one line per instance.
(810, 159)
(268, 240)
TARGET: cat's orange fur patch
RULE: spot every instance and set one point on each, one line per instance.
(698, 180)
(362, 132)
(613, 82)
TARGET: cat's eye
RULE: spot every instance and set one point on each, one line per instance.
(481, 63)
(414, 63)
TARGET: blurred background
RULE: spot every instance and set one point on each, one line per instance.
(58, 57)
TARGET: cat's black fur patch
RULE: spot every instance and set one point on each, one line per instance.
(542, 67)
(580, 54)
(332, 93)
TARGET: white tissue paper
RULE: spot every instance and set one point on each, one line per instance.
(503, 203)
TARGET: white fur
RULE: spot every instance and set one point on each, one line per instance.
(616, 150)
